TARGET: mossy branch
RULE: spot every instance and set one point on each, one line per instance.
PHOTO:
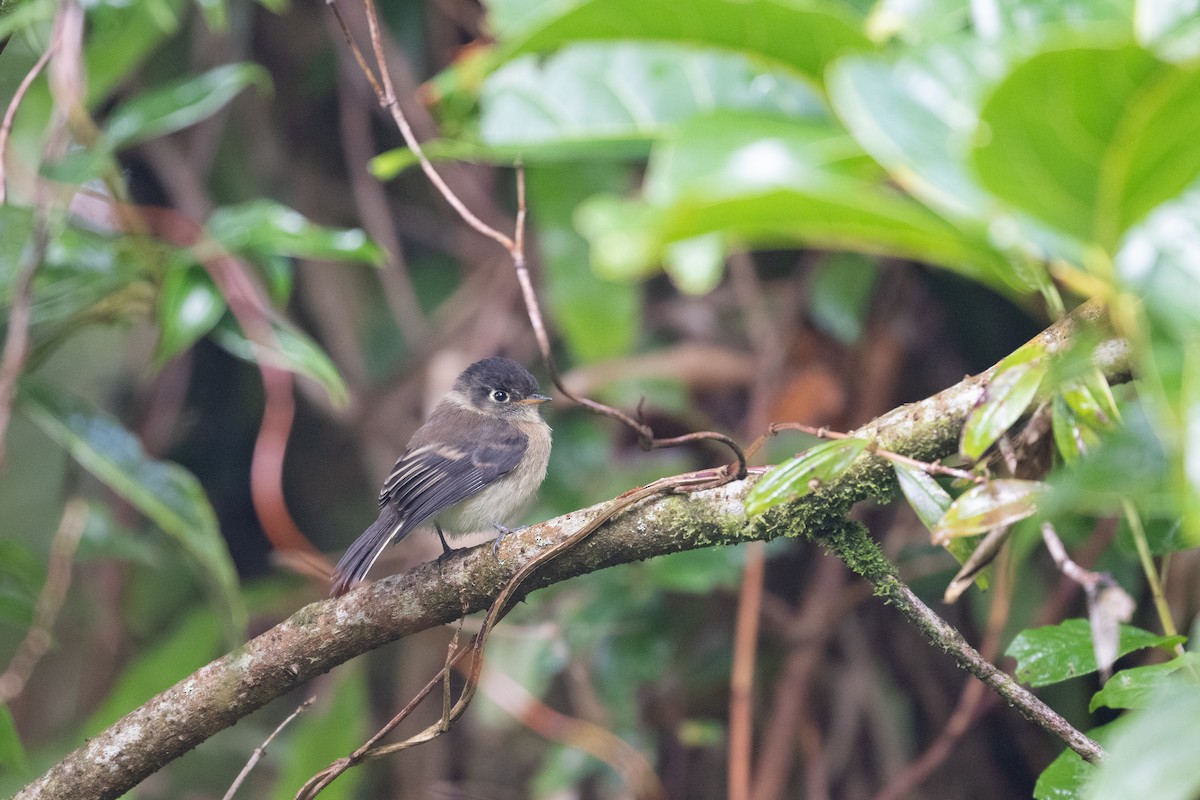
(326, 633)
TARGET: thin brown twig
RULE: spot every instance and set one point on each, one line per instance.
(741, 681)
(49, 603)
(16, 343)
(261, 750)
(11, 112)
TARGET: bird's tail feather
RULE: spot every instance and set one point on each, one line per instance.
(361, 555)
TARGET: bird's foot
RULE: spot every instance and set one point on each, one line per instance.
(502, 532)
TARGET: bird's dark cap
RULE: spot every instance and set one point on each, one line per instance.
(498, 373)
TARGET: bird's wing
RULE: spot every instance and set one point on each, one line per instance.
(431, 477)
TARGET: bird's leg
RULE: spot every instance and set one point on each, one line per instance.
(502, 532)
(446, 548)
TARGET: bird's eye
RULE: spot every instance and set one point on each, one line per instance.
(499, 395)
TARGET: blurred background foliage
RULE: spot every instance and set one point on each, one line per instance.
(742, 212)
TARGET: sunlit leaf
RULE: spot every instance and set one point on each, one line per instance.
(1055, 653)
(165, 492)
(988, 506)
(1135, 687)
(268, 227)
(1007, 395)
(801, 36)
(291, 349)
(1125, 151)
(189, 305)
(179, 104)
(819, 464)
(924, 494)
(695, 265)
(613, 100)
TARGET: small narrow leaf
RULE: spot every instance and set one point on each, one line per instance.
(12, 752)
(291, 349)
(924, 494)
(804, 473)
(189, 305)
(180, 104)
(1092, 401)
(1054, 653)
(991, 505)
(1007, 395)
(270, 228)
(1072, 438)
(165, 492)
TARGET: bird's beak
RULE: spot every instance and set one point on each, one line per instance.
(534, 400)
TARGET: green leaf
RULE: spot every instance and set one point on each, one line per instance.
(270, 228)
(189, 305)
(1091, 139)
(165, 492)
(1090, 397)
(803, 36)
(766, 181)
(1152, 753)
(12, 752)
(612, 100)
(804, 473)
(924, 494)
(988, 506)
(695, 265)
(329, 729)
(598, 319)
(840, 294)
(291, 349)
(1157, 262)
(1054, 653)
(1073, 438)
(1067, 776)
(1135, 687)
(1007, 395)
(179, 104)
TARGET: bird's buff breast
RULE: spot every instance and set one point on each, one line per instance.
(503, 501)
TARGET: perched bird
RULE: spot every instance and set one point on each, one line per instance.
(474, 464)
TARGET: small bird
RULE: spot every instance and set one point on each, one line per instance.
(475, 463)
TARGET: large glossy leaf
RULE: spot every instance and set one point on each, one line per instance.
(179, 104)
(802, 35)
(613, 99)
(806, 472)
(1007, 395)
(597, 318)
(767, 181)
(264, 226)
(290, 349)
(165, 492)
(1054, 653)
(1091, 139)
(987, 506)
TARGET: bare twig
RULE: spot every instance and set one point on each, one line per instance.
(11, 112)
(54, 592)
(261, 750)
(741, 681)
